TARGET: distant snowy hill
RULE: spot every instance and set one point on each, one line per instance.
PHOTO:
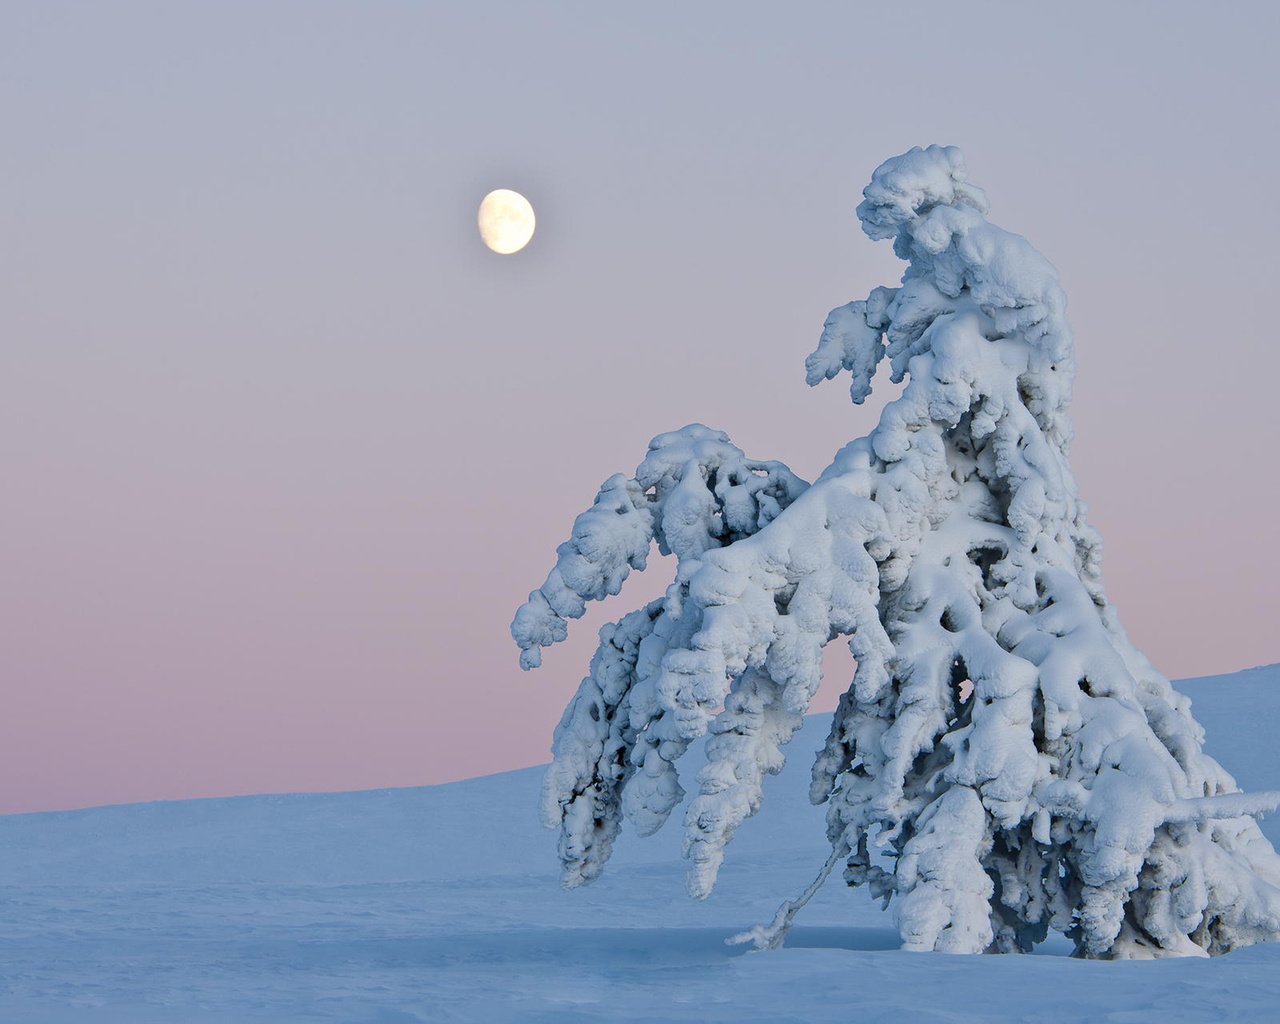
(441, 904)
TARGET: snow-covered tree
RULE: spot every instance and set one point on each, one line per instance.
(1004, 761)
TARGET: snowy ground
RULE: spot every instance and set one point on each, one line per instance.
(441, 904)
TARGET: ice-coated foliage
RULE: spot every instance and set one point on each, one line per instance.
(1004, 761)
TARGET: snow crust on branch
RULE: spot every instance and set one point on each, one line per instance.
(1067, 790)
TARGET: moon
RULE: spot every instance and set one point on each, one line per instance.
(506, 221)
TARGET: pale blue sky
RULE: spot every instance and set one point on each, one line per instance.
(284, 445)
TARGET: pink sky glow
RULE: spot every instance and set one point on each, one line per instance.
(284, 446)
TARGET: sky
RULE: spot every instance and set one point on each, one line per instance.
(284, 446)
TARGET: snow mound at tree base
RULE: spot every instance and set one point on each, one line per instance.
(441, 904)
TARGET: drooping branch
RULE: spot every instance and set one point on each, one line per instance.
(616, 746)
(695, 490)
